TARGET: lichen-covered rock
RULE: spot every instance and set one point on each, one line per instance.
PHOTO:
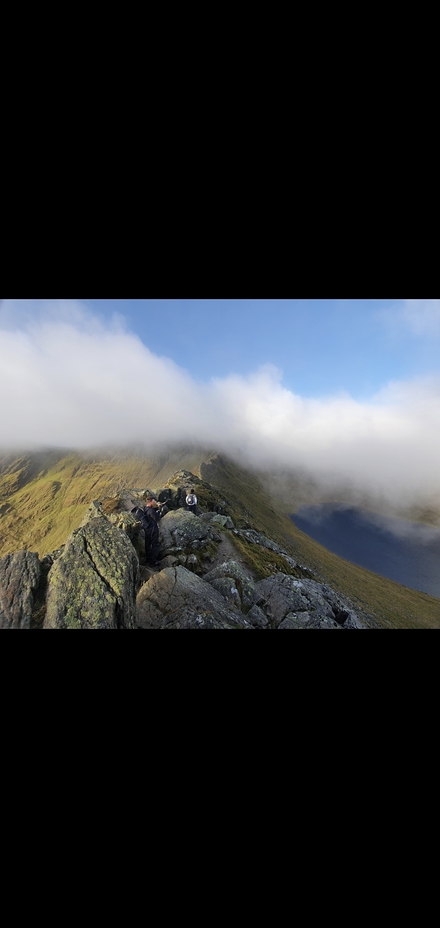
(256, 538)
(177, 598)
(231, 568)
(309, 620)
(281, 594)
(52, 556)
(180, 530)
(257, 617)
(170, 560)
(228, 589)
(130, 498)
(127, 522)
(267, 543)
(307, 604)
(93, 512)
(187, 618)
(19, 579)
(225, 521)
(294, 621)
(327, 601)
(93, 584)
(320, 598)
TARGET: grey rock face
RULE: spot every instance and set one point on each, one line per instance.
(225, 521)
(309, 620)
(331, 604)
(257, 617)
(187, 618)
(169, 561)
(93, 512)
(180, 529)
(293, 621)
(232, 569)
(93, 584)
(282, 594)
(19, 579)
(256, 538)
(305, 603)
(127, 523)
(227, 587)
(177, 598)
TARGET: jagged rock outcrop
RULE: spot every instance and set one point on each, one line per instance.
(93, 584)
(176, 490)
(257, 618)
(257, 538)
(290, 603)
(225, 521)
(231, 580)
(177, 598)
(181, 530)
(19, 580)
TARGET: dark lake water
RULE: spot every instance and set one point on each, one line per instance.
(394, 548)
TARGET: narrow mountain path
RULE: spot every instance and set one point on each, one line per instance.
(227, 551)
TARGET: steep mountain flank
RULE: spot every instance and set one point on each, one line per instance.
(72, 553)
(43, 496)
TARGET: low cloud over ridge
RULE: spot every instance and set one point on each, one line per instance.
(71, 379)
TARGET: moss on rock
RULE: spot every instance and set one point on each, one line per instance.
(93, 584)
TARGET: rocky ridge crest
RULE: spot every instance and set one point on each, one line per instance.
(209, 576)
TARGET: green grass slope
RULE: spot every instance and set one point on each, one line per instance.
(44, 496)
(390, 604)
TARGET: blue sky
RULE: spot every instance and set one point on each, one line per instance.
(347, 390)
(321, 346)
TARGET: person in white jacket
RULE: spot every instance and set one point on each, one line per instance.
(191, 502)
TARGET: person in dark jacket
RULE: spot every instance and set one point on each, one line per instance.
(149, 517)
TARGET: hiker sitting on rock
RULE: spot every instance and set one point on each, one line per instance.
(191, 502)
(149, 517)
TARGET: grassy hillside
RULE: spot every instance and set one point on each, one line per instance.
(44, 496)
(392, 605)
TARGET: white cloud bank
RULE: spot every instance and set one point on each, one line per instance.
(69, 379)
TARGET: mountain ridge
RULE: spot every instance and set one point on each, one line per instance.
(45, 495)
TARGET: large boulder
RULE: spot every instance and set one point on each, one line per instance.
(93, 584)
(94, 511)
(126, 522)
(225, 521)
(180, 530)
(234, 575)
(19, 580)
(177, 598)
(291, 603)
(280, 595)
(257, 617)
